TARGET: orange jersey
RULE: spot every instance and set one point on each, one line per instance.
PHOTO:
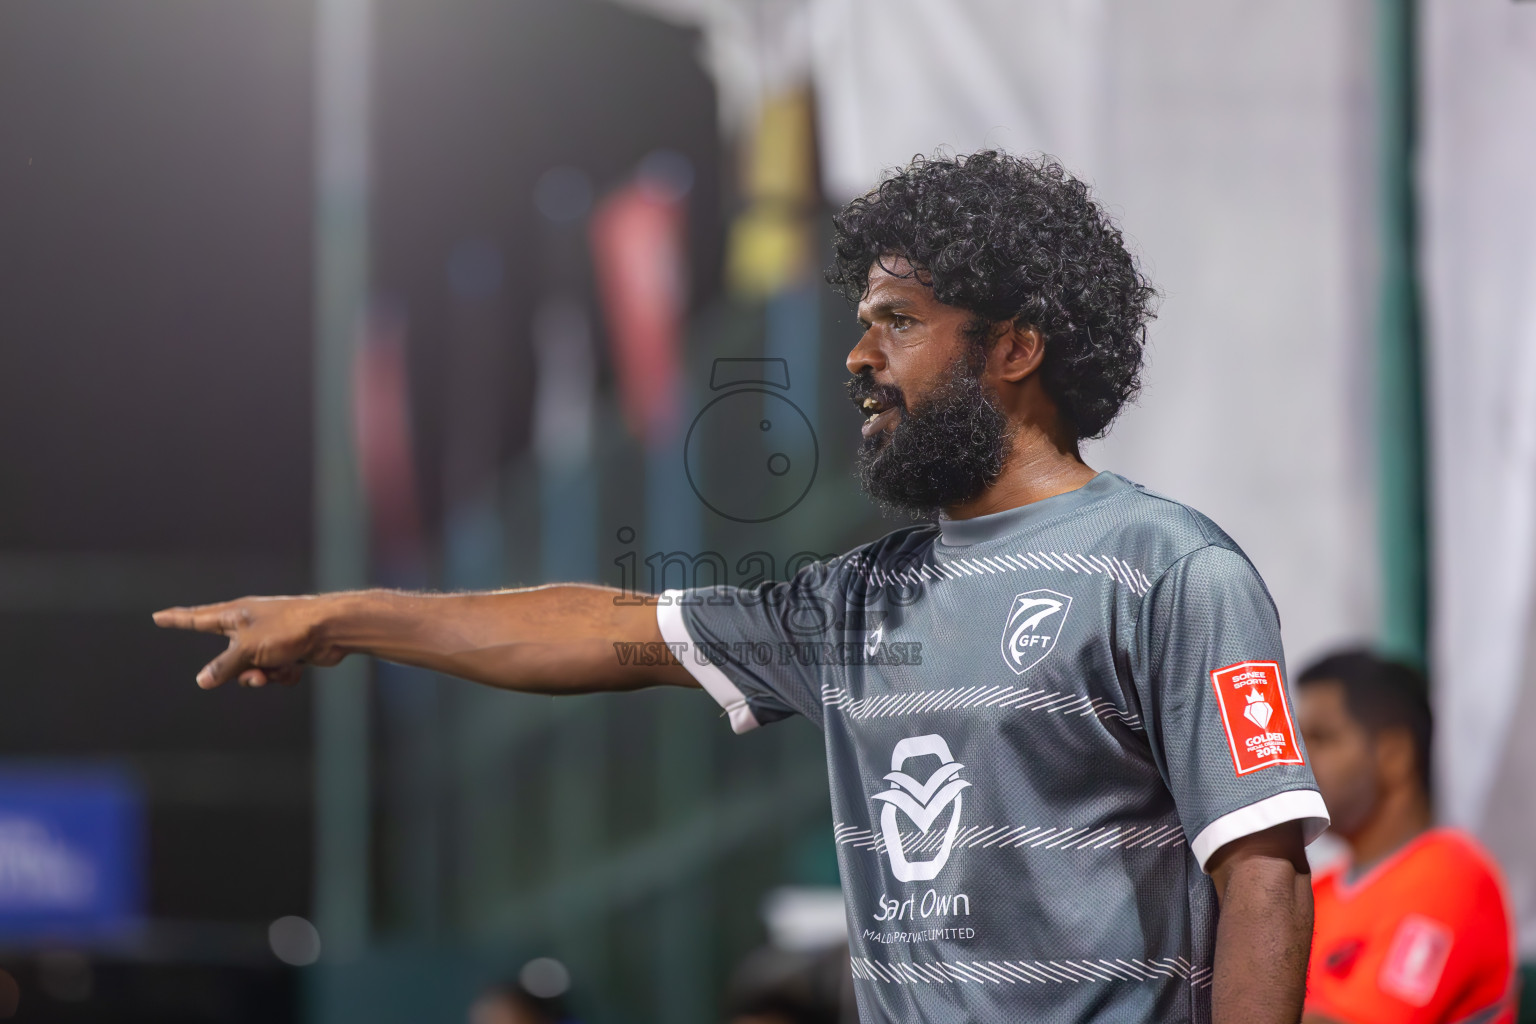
(1422, 938)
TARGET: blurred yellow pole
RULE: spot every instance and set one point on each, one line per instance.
(343, 40)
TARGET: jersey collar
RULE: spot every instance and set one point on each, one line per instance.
(958, 533)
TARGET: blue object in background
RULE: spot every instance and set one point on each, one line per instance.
(71, 854)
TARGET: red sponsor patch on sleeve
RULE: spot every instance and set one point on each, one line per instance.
(1256, 715)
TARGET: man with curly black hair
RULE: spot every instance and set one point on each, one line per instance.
(1065, 781)
(1003, 245)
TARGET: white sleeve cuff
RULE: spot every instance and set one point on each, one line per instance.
(1304, 805)
(669, 617)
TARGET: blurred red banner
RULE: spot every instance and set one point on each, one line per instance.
(638, 253)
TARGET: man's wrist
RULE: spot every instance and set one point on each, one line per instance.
(345, 622)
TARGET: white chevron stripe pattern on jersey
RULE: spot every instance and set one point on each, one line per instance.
(1116, 569)
(1029, 972)
(1015, 837)
(920, 701)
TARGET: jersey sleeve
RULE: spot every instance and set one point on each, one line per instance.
(1210, 676)
(746, 646)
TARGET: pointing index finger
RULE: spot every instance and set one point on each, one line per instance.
(174, 618)
(207, 618)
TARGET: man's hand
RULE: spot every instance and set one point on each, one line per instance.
(1264, 931)
(271, 639)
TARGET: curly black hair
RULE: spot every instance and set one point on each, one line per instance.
(1010, 238)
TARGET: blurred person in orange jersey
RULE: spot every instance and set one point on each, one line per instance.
(1413, 927)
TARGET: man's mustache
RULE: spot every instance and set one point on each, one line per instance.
(862, 386)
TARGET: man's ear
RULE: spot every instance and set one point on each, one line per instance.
(1395, 755)
(1019, 350)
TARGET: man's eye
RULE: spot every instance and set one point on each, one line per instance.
(900, 323)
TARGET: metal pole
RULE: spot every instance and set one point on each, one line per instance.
(342, 45)
(1399, 367)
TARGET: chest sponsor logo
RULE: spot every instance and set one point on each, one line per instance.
(1416, 960)
(1256, 715)
(1034, 622)
(923, 803)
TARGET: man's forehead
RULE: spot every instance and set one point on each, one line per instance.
(893, 271)
(892, 279)
(1324, 696)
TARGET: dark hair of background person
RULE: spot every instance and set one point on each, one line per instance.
(1013, 239)
(1381, 694)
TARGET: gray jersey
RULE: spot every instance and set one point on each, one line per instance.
(1040, 724)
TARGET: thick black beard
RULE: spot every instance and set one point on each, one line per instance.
(943, 453)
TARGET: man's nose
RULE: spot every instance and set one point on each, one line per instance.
(866, 355)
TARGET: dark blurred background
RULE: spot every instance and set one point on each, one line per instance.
(159, 211)
(305, 294)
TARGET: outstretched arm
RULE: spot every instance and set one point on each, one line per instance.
(1264, 931)
(555, 639)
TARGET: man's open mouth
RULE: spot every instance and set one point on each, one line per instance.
(877, 416)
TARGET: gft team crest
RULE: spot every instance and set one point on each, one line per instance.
(923, 802)
(1034, 622)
